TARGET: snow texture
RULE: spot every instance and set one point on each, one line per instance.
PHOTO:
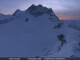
(37, 31)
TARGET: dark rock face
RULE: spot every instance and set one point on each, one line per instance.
(31, 8)
(62, 40)
(36, 10)
(40, 10)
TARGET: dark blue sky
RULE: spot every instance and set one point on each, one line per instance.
(63, 8)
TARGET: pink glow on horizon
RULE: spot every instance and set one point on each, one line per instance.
(67, 18)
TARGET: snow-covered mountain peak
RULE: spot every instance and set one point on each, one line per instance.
(36, 14)
(33, 8)
(40, 10)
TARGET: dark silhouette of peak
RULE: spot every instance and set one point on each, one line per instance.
(32, 7)
(40, 5)
(39, 10)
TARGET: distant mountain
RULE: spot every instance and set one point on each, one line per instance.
(37, 31)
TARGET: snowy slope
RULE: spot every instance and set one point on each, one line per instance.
(71, 36)
(37, 31)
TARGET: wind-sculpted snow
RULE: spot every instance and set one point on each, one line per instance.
(23, 34)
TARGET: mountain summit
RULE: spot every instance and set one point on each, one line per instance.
(37, 11)
(40, 10)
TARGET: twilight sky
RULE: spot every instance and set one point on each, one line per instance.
(64, 9)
